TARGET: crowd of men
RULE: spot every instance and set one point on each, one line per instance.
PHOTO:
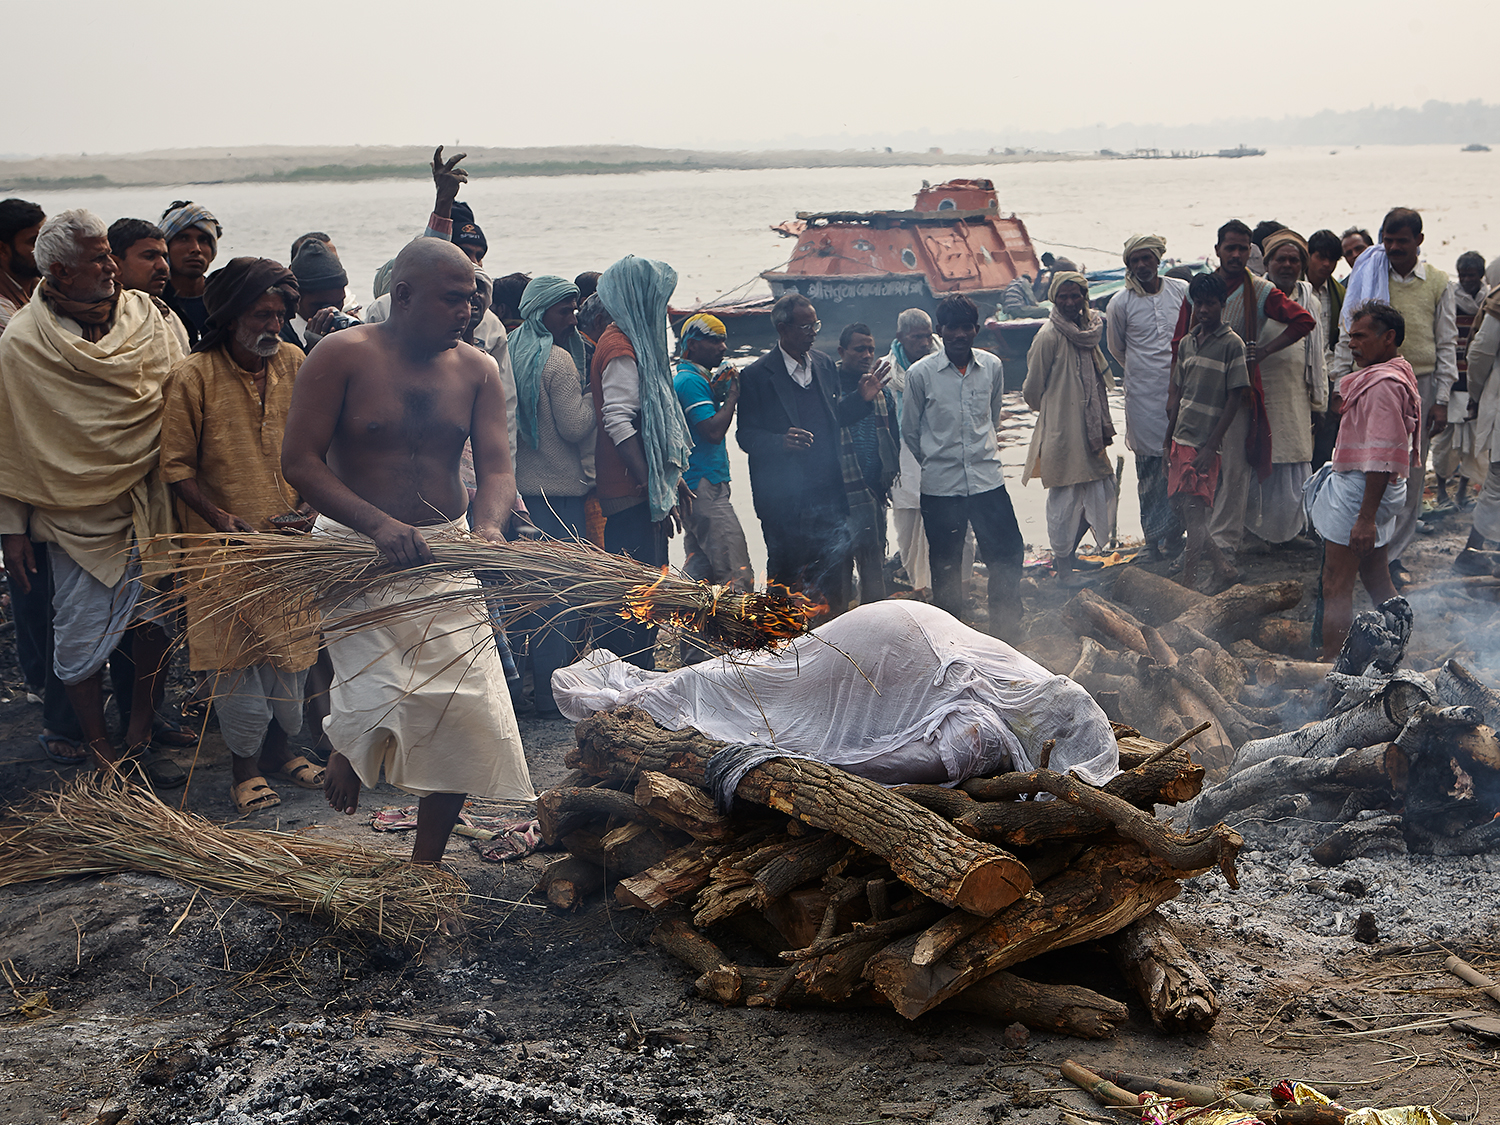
(142, 394)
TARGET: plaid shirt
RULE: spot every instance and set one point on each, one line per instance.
(866, 505)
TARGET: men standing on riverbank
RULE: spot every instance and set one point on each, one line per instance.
(868, 454)
(192, 235)
(1142, 333)
(19, 223)
(791, 414)
(81, 374)
(950, 417)
(1421, 294)
(221, 436)
(1065, 385)
(1323, 256)
(1355, 241)
(1453, 450)
(140, 253)
(423, 699)
(1268, 322)
(713, 541)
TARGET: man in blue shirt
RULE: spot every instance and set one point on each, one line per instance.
(712, 536)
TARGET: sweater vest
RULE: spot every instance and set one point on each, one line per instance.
(1417, 301)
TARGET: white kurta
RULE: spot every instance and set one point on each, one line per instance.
(1140, 330)
(895, 691)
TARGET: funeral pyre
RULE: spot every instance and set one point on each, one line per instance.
(913, 898)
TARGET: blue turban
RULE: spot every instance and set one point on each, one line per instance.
(177, 219)
(531, 344)
(636, 292)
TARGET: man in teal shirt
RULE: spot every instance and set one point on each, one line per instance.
(712, 536)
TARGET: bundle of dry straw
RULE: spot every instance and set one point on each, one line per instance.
(101, 827)
(306, 577)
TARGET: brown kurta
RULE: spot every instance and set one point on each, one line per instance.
(216, 431)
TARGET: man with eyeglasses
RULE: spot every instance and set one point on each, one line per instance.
(226, 407)
(790, 415)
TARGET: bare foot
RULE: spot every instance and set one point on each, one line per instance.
(341, 785)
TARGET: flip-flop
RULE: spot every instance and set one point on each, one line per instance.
(77, 758)
(394, 819)
(254, 795)
(160, 770)
(301, 772)
(515, 839)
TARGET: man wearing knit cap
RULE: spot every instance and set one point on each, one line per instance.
(192, 244)
(1394, 272)
(222, 424)
(713, 539)
(323, 285)
(1142, 334)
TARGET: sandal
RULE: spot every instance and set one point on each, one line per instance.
(160, 770)
(299, 771)
(77, 758)
(516, 839)
(254, 796)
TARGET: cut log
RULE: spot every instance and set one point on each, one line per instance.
(1375, 720)
(1240, 727)
(795, 866)
(1104, 890)
(1379, 836)
(562, 809)
(1152, 598)
(925, 852)
(1280, 634)
(1064, 1009)
(682, 873)
(1236, 611)
(1089, 613)
(632, 848)
(568, 881)
(1227, 674)
(1168, 780)
(1293, 674)
(586, 843)
(1382, 767)
(1458, 687)
(1101, 1090)
(943, 935)
(1174, 988)
(683, 806)
(1470, 975)
(718, 976)
(1185, 1091)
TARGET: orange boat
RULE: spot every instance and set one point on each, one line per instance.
(870, 265)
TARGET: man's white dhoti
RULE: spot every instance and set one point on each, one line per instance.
(424, 698)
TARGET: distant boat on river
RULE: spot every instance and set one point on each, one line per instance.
(1241, 150)
(1475, 148)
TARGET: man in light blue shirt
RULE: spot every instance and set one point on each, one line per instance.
(949, 419)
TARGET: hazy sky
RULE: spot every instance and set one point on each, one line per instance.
(142, 74)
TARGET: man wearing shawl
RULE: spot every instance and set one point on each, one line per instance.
(1142, 332)
(374, 436)
(1267, 321)
(1354, 500)
(1453, 451)
(1065, 385)
(221, 432)
(913, 341)
(713, 540)
(1294, 384)
(81, 373)
(193, 236)
(642, 443)
(554, 455)
(1394, 272)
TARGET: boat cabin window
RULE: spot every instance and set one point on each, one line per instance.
(909, 259)
(861, 244)
(947, 205)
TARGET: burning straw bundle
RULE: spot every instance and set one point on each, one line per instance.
(316, 575)
(100, 827)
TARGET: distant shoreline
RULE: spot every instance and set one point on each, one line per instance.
(270, 164)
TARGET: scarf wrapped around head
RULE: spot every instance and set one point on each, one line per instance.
(636, 292)
(177, 219)
(1281, 238)
(231, 291)
(704, 326)
(531, 344)
(1152, 242)
(1085, 362)
(1370, 280)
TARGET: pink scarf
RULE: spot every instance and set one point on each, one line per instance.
(1381, 412)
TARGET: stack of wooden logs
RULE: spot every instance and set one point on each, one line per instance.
(848, 893)
(1164, 658)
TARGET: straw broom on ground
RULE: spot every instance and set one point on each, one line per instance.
(309, 577)
(96, 826)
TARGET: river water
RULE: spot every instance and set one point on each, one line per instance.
(713, 226)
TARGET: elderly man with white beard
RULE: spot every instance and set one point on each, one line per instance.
(81, 372)
(226, 408)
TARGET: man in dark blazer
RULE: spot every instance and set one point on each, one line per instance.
(790, 419)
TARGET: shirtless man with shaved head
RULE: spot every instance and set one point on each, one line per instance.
(377, 424)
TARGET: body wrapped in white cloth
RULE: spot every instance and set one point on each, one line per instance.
(894, 691)
(424, 698)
